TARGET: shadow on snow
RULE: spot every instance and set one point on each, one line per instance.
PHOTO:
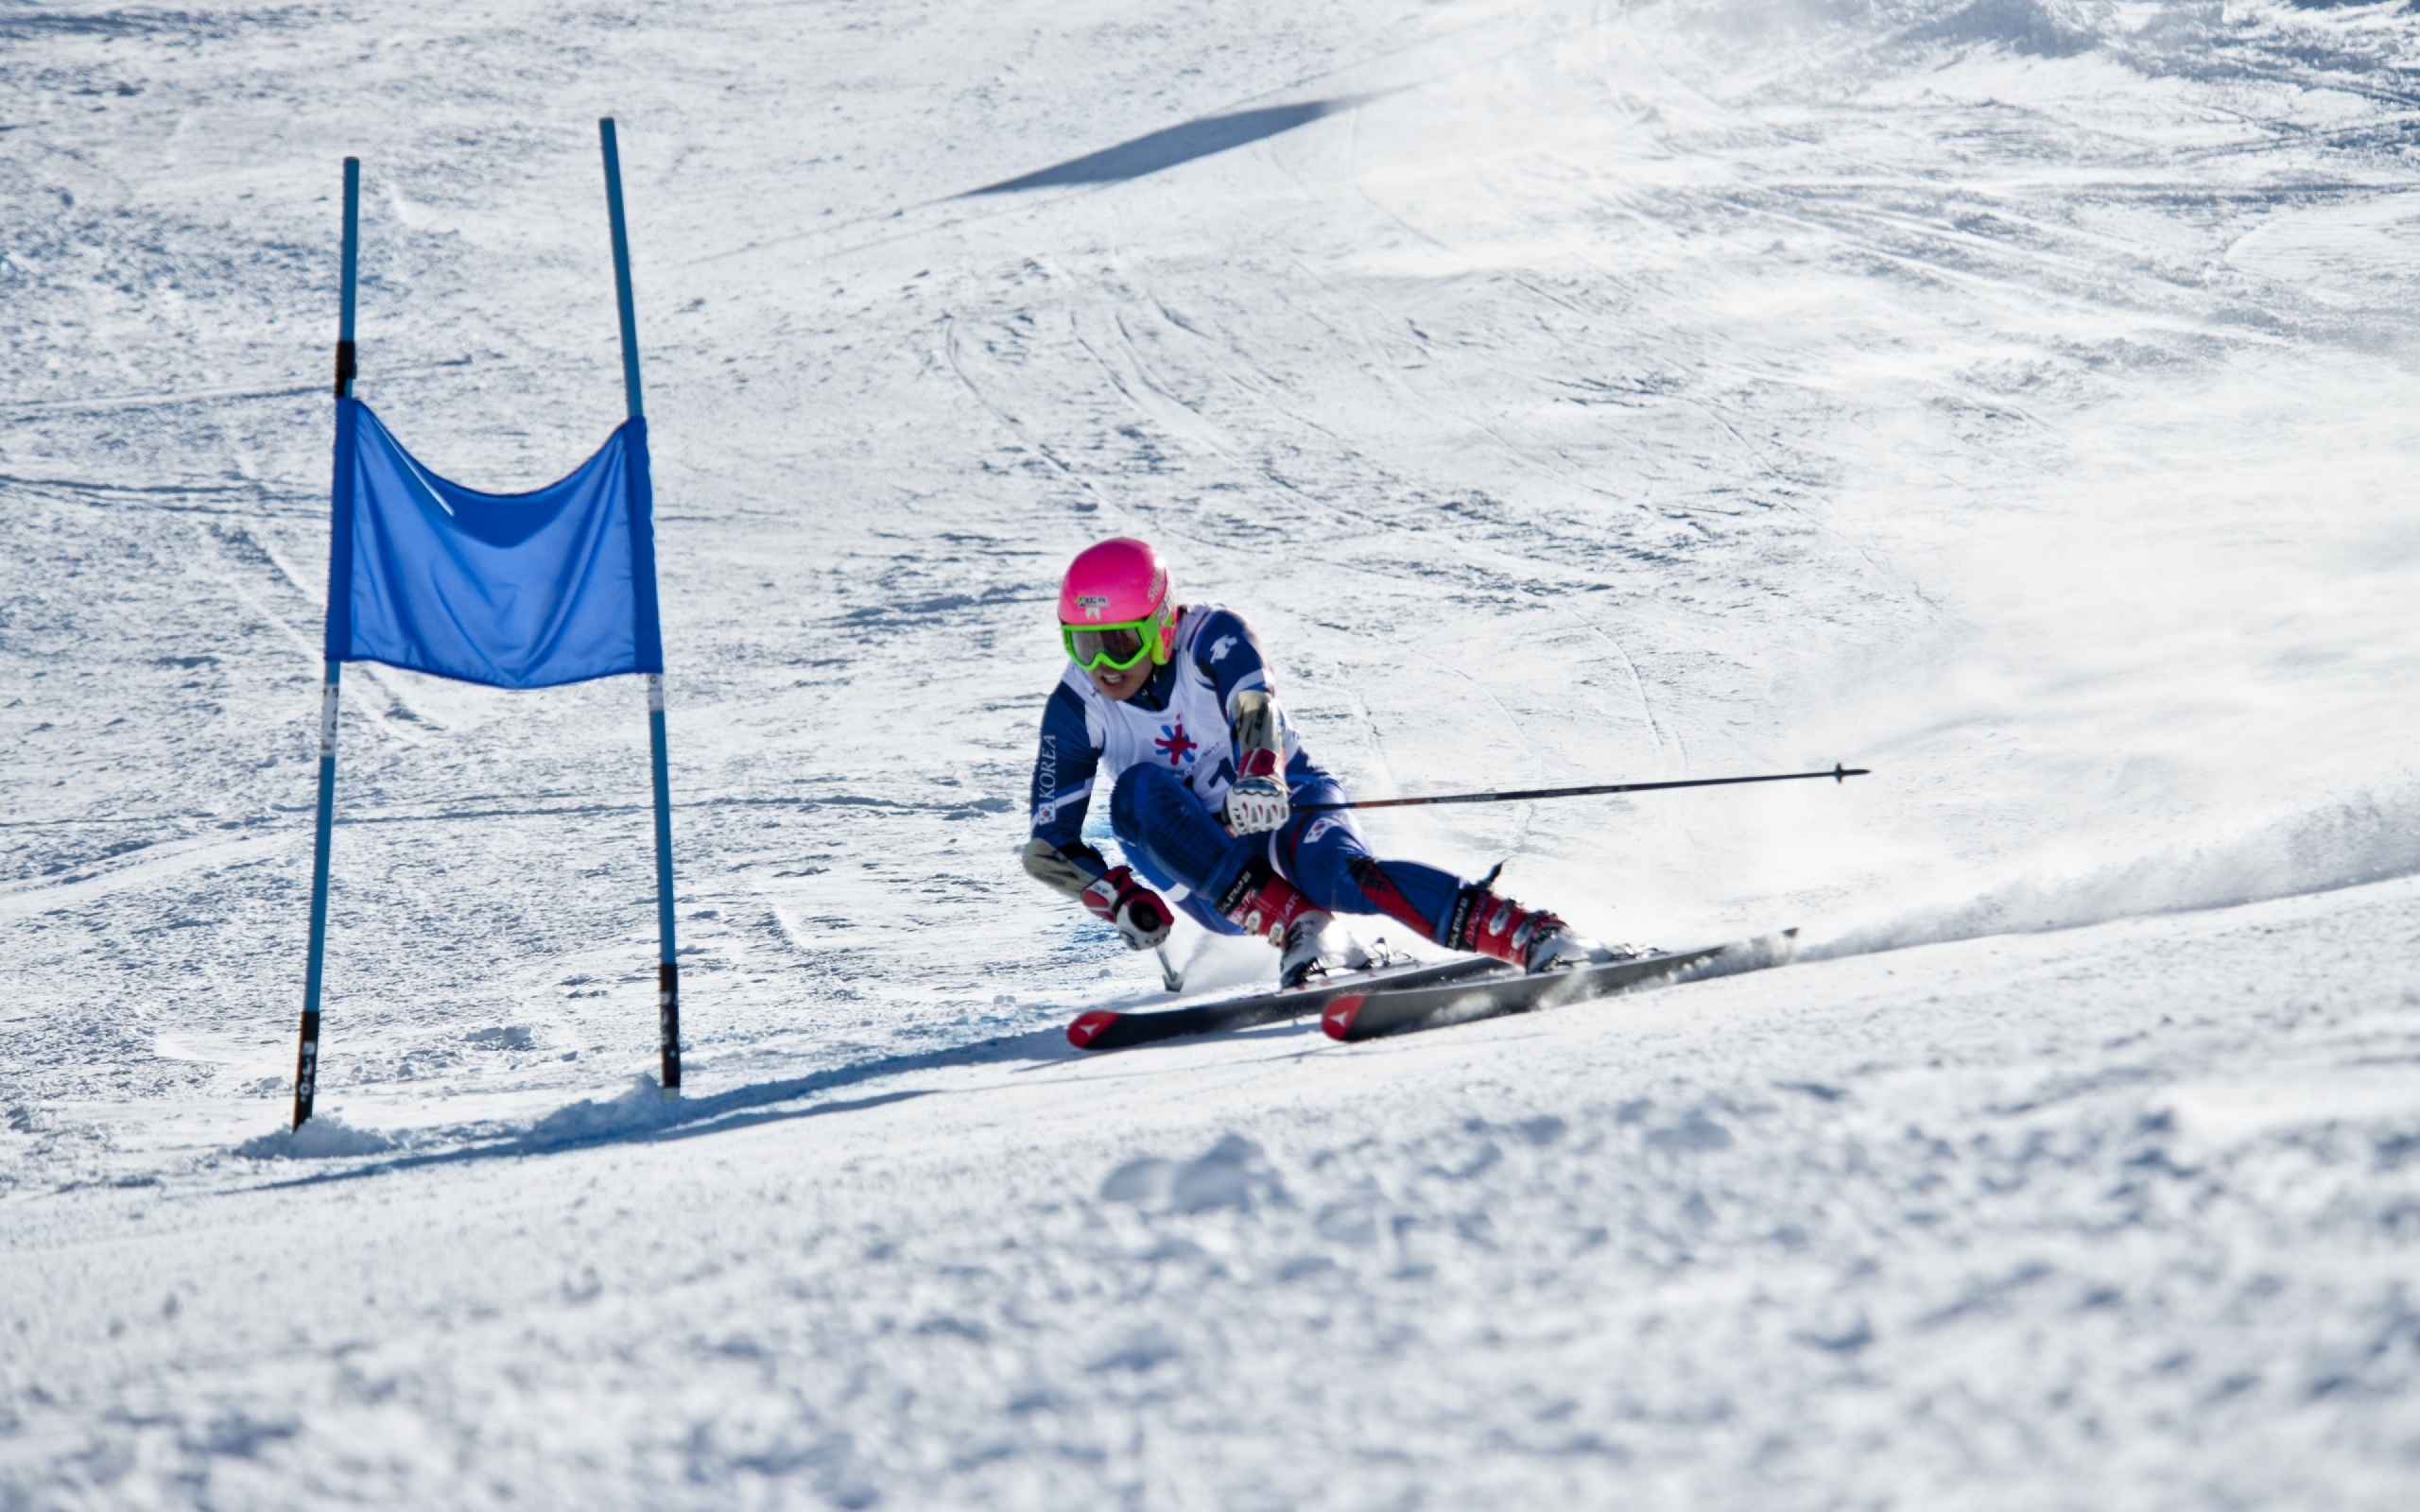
(643, 1115)
(1176, 144)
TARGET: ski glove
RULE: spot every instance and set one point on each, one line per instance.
(1258, 800)
(1256, 803)
(1117, 897)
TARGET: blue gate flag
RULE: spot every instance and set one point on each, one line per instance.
(512, 590)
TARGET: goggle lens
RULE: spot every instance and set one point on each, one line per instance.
(1115, 647)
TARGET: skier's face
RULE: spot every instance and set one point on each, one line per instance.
(1119, 686)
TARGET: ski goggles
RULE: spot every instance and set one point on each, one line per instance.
(1110, 648)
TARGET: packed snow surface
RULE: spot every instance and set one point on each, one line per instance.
(2015, 397)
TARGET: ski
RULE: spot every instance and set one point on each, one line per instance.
(1368, 1013)
(1109, 1029)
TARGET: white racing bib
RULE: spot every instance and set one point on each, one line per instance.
(1190, 737)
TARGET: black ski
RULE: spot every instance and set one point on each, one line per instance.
(1108, 1029)
(1382, 1011)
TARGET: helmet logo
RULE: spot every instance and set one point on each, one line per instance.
(1092, 604)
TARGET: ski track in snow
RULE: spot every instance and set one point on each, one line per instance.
(2010, 397)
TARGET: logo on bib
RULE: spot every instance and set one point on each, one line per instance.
(1174, 744)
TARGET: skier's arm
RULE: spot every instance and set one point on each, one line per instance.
(1229, 655)
(1056, 855)
(1061, 791)
(1062, 869)
(1109, 893)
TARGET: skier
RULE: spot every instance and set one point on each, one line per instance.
(1172, 706)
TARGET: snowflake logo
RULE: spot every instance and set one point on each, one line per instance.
(1174, 744)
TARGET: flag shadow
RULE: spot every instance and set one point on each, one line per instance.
(1167, 148)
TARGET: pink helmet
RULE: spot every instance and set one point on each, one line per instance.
(1120, 581)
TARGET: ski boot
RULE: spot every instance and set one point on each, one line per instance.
(1531, 938)
(1314, 946)
(1265, 903)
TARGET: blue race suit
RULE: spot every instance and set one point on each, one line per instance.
(1168, 753)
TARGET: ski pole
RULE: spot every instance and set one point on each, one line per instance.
(1838, 774)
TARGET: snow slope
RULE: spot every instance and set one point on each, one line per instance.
(2006, 396)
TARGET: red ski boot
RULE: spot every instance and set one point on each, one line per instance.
(1266, 904)
(1531, 938)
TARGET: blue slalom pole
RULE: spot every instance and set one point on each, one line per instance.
(668, 970)
(622, 269)
(306, 1057)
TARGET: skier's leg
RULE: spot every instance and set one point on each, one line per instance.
(1231, 888)
(1170, 839)
(1169, 836)
(1326, 856)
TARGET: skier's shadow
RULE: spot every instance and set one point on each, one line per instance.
(642, 1117)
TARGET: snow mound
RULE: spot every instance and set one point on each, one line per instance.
(641, 1108)
(324, 1136)
(1231, 1174)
